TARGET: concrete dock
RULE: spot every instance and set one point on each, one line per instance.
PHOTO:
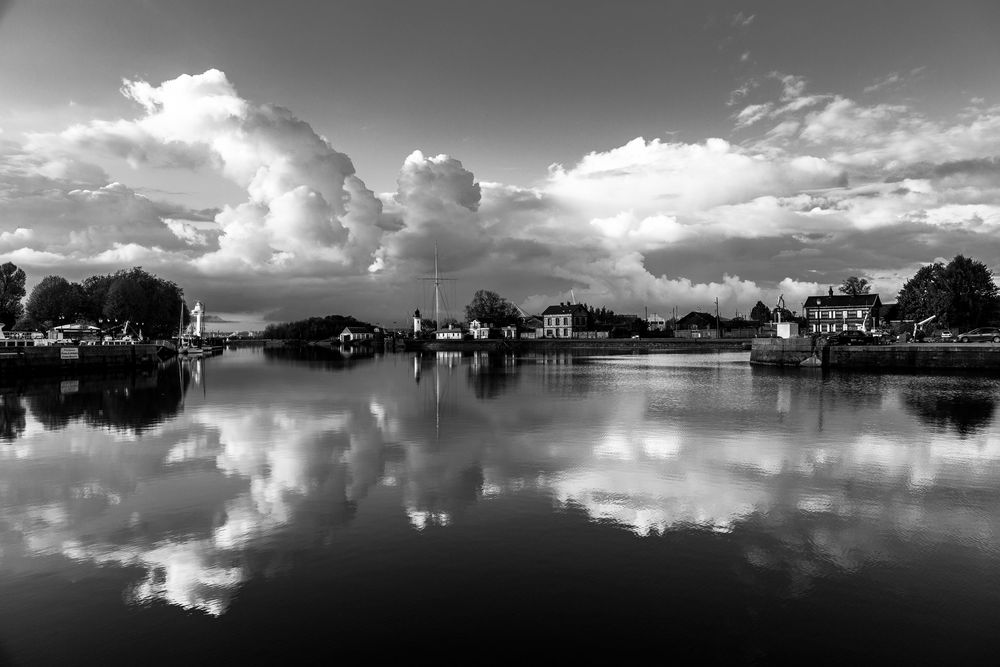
(59, 358)
(897, 356)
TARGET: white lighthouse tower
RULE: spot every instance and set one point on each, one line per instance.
(417, 323)
(198, 312)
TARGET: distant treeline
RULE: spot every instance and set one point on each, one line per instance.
(314, 328)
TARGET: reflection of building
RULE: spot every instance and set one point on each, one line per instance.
(842, 312)
(563, 320)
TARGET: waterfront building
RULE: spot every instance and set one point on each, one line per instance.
(842, 312)
(564, 320)
(480, 330)
(357, 334)
(655, 322)
(451, 333)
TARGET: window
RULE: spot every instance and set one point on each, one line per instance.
(827, 314)
(824, 328)
(861, 313)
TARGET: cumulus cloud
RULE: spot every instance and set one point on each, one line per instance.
(828, 185)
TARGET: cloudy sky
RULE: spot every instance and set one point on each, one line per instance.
(280, 160)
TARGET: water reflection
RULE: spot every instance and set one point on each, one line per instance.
(965, 404)
(232, 466)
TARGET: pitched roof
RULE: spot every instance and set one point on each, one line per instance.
(566, 309)
(357, 329)
(842, 301)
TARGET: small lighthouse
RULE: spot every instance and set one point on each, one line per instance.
(417, 323)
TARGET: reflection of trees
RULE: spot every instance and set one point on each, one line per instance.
(320, 356)
(12, 413)
(490, 375)
(965, 410)
(132, 401)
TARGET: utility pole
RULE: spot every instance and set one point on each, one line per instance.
(718, 324)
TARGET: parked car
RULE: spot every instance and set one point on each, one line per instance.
(946, 335)
(852, 337)
(980, 334)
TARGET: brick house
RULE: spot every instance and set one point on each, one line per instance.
(842, 312)
(564, 320)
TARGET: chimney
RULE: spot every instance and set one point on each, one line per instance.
(831, 290)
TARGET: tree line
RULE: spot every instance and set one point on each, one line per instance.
(151, 303)
(313, 328)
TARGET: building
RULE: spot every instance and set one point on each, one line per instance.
(564, 320)
(357, 334)
(697, 325)
(655, 322)
(451, 333)
(75, 332)
(842, 312)
(480, 330)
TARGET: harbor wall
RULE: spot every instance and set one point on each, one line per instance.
(593, 345)
(917, 356)
(59, 358)
(898, 356)
(783, 351)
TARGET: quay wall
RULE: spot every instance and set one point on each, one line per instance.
(60, 358)
(783, 351)
(593, 345)
(897, 356)
(917, 356)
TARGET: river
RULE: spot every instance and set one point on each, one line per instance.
(309, 505)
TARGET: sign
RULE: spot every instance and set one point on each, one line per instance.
(69, 353)
(69, 386)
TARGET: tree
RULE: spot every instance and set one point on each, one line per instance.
(139, 297)
(11, 292)
(487, 306)
(960, 294)
(974, 298)
(760, 313)
(855, 286)
(55, 301)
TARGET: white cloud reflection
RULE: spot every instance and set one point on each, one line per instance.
(859, 463)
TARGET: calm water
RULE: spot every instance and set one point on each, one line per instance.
(475, 508)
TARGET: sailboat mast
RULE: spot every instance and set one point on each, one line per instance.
(437, 290)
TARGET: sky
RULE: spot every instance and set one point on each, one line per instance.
(283, 160)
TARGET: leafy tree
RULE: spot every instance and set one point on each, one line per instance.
(760, 313)
(855, 286)
(487, 306)
(140, 297)
(11, 292)
(961, 294)
(27, 323)
(974, 298)
(56, 301)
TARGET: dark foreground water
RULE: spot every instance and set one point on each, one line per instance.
(471, 508)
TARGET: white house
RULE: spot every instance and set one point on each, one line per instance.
(479, 329)
(451, 333)
(356, 334)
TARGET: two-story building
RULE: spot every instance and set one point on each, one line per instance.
(563, 320)
(479, 329)
(842, 312)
